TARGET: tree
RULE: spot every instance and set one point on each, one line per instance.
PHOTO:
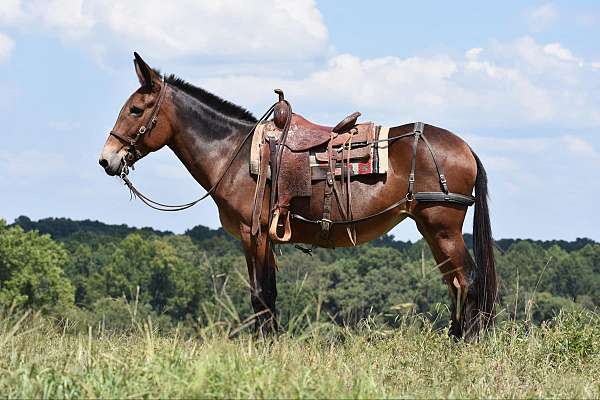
(32, 270)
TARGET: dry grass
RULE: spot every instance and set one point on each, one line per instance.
(40, 359)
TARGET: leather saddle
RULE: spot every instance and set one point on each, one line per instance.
(288, 143)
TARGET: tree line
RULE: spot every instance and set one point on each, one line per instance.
(92, 272)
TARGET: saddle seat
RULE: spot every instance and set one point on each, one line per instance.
(306, 135)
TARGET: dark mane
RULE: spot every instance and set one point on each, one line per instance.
(211, 100)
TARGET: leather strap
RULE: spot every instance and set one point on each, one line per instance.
(417, 132)
(326, 222)
(259, 193)
(272, 141)
(438, 166)
(133, 153)
(455, 198)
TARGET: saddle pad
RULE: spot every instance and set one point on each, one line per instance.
(376, 164)
(367, 160)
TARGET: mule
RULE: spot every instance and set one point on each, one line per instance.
(204, 130)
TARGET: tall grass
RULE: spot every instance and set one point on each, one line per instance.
(41, 357)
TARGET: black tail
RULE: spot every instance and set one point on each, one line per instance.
(485, 281)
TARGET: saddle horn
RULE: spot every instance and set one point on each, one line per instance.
(280, 115)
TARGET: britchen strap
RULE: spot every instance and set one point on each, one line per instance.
(438, 166)
(417, 132)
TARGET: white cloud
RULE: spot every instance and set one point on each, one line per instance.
(66, 16)
(473, 54)
(272, 29)
(581, 148)
(522, 81)
(517, 153)
(556, 50)
(10, 11)
(6, 47)
(542, 17)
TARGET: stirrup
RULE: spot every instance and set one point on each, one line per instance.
(287, 227)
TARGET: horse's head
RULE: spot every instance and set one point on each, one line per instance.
(143, 125)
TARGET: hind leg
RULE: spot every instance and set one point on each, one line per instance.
(441, 226)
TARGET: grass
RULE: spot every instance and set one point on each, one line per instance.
(40, 358)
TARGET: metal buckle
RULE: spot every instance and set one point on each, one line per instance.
(124, 170)
(142, 130)
(325, 224)
(329, 177)
(129, 156)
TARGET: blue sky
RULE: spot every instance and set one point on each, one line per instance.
(520, 81)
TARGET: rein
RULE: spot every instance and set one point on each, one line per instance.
(133, 154)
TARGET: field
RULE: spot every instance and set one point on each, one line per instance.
(43, 358)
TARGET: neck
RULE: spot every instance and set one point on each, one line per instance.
(205, 139)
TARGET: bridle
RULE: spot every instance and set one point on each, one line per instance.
(133, 154)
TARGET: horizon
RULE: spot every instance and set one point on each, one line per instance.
(519, 82)
(394, 238)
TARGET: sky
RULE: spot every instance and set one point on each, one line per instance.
(518, 80)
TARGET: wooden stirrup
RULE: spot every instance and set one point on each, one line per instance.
(287, 227)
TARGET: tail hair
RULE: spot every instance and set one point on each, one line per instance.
(485, 280)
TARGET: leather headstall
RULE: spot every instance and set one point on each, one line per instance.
(133, 154)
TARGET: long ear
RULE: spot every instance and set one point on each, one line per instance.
(146, 75)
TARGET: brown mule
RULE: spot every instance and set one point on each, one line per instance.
(204, 131)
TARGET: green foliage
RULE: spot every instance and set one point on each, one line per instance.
(65, 228)
(190, 278)
(32, 270)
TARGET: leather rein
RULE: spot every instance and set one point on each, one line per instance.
(133, 154)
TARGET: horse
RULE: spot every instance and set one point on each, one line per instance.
(208, 134)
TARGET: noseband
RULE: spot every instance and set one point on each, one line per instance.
(133, 154)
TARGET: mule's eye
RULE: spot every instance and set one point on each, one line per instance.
(135, 111)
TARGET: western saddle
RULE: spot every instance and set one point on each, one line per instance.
(288, 143)
(288, 146)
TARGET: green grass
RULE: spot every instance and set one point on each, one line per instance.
(40, 359)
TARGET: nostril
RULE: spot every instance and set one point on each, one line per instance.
(103, 162)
